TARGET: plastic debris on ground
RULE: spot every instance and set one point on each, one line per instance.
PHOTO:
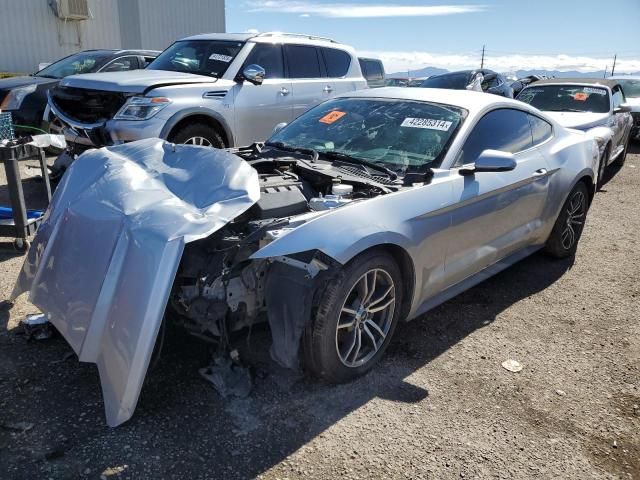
(512, 365)
(228, 376)
(37, 327)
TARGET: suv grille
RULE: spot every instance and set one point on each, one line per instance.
(87, 106)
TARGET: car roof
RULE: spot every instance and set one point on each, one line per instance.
(267, 37)
(467, 99)
(577, 81)
(113, 51)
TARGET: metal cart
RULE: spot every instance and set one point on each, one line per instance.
(22, 225)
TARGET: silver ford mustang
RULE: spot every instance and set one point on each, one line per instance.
(369, 209)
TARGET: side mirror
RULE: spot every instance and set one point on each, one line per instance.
(278, 127)
(622, 108)
(491, 161)
(254, 74)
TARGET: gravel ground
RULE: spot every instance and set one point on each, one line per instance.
(438, 406)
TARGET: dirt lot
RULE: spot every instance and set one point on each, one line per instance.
(439, 406)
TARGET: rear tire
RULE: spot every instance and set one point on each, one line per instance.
(563, 241)
(198, 134)
(351, 329)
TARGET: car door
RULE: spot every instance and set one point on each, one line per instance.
(495, 213)
(305, 70)
(620, 120)
(259, 108)
(337, 64)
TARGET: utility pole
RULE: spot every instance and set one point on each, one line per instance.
(482, 61)
(613, 69)
(605, 71)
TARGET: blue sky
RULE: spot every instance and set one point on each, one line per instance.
(549, 34)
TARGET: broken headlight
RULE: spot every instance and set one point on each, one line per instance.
(141, 108)
(14, 99)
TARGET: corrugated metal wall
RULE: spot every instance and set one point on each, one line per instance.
(30, 33)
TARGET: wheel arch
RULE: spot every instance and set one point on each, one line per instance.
(198, 115)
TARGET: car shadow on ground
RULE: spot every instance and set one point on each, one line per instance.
(180, 413)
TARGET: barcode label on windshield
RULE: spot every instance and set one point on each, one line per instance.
(429, 123)
(220, 58)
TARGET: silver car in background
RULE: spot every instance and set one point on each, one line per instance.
(631, 86)
(369, 209)
(219, 90)
(595, 106)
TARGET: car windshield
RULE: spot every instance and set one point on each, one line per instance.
(566, 98)
(400, 135)
(631, 88)
(202, 57)
(453, 81)
(83, 62)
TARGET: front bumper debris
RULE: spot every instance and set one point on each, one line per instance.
(103, 261)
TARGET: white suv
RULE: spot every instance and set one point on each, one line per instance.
(220, 90)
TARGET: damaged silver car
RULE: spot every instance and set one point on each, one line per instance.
(369, 209)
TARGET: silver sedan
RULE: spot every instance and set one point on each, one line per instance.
(369, 209)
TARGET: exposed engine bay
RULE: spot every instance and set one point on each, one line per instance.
(218, 287)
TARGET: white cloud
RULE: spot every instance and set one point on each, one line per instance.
(402, 61)
(359, 10)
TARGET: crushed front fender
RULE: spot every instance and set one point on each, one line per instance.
(103, 261)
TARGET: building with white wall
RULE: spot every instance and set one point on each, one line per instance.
(36, 31)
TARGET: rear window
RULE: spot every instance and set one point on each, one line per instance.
(302, 61)
(337, 62)
(455, 81)
(371, 69)
(566, 98)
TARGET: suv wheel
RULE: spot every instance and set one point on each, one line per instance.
(355, 318)
(198, 134)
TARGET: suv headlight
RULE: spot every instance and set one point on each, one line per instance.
(14, 98)
(141, 108)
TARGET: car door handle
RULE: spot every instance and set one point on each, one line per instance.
(327, 89)
(540, 172)
(284, 91)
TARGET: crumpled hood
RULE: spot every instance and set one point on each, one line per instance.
(103, 261)
(579, 120)
(133, 81)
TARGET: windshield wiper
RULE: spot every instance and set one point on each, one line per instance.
(292, 148)
(331, 154)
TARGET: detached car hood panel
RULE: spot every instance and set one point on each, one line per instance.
(134, 81)
(103, 262)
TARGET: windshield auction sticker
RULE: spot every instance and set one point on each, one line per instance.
(331, 117)
(581, 97)
(597, 91)
(220, 58)
(429, 123)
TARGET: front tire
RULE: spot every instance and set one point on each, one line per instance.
(198, 134)
(355, 318)
(563, 241)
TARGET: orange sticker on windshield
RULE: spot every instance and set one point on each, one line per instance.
(581, 96)
(331, 117)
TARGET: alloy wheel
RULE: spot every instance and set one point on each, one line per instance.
(576, 211)
(365, 318)
(200, 141)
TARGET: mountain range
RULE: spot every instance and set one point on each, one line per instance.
(429, 71)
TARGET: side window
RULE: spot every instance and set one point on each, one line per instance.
(302, 61)
(504, 129)
(268, 57)
(618, 97)
(337, 62)
(540, 129)
(121, 64)
(147, 61)
(490, 81)
(374, 70)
